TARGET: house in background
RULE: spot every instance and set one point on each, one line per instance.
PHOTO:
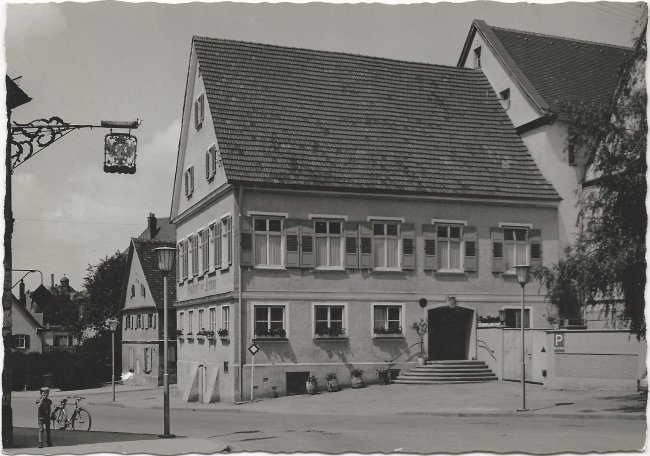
(320, 217)
(142, 313)
(532, 75)
(27, 328)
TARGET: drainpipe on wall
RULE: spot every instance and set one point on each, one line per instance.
(241, 323)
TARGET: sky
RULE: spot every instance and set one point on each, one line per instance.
(87, 62)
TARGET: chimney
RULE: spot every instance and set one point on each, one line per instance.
(52, 282)
(152, 222)
(22, 296)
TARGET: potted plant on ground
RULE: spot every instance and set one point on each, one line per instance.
(312, 385)
(421, 328)
(332, 382)
(357, 378)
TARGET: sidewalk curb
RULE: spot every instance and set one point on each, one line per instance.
(585, 416)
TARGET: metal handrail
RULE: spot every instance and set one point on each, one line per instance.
(483, 344)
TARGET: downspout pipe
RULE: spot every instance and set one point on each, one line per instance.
(241, 313)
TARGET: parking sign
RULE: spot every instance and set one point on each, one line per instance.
(558, 342)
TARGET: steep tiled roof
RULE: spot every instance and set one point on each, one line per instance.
(314, 119)
(563, 67)
(165, 231)
(149, 262)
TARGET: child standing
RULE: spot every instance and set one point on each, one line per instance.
(44, 411)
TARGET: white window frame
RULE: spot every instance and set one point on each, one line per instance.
(517, 310)
(462, 247)
(212, 233)
(201, 319)
(329, 305)
(211, 162)
(282, 241)
(21, 341)
(225, 318)
(204, 255)
(374, 305)
(328, 236)
(189, 181)
(226, 240)
(199, 110)
(515, 226)
(138, 321)
(285, 316)
(181, 321)
(477, 57)
(212, 319)
(387, 221)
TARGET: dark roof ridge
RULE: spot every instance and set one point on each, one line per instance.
(557, 37)
(151, 241)
(340, 53)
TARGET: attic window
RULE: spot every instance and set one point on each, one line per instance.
(198, 111)
(189, 181)
(132, 291)
(504, 96)
(210, 163)
(477, 57)
(142, 291)
(571, 155)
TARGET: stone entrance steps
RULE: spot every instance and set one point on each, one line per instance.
(456, 371)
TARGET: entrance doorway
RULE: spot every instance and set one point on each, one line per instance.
(449, 331)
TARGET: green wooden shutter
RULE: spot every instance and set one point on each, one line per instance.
(246, 241)
(350, 230)
(292, 254)
(498, 264)
(535, 239)
(217, 245)
(208, 174)
(408, 246)
(229, 239)
(306, 244)
(471, 248)
(430, 259)
(365, 235)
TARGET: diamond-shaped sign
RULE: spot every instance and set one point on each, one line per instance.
(253, 349)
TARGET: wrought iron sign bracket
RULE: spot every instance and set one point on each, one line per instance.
(29, 139)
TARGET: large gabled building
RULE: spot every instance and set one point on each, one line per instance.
(534, 75)
(326, 201)
(142, 313)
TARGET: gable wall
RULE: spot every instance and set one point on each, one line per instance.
(145, 303)
(21, 325)
(197, 143)
(521, 110)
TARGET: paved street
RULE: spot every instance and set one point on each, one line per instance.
(371, 420)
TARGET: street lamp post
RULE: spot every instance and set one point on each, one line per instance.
(112, 324)
(165, 263)
(523, 273)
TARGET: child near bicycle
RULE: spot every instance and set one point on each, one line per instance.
(44, 404)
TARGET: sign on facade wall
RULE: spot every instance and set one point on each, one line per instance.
(558, 342)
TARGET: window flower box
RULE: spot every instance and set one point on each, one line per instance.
(330, 333)
(224, 334)
(387, 333)
(273, 334)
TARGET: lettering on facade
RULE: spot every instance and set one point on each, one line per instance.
(202, 287)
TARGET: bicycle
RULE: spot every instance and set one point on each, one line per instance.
(80, 419)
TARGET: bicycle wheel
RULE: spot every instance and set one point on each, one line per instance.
(58, 418)
(81, 420)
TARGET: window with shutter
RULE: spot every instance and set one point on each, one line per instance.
(226, 228)
(351, 245)
(449, 247)
(189, 181)
(496, 235)
(292, 234)
(246, 241)
(430, 258)
(385, 244)
(365, 245)
(515, 248)
(195, 255)
(328, 240)
(471, 249)
(408, 246)
(198, 111)
(306, 244)
(212, 230)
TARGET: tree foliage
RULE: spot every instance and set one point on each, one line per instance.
(103, 293)
(607, 263)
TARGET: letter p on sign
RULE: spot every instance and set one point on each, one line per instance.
(558, 342)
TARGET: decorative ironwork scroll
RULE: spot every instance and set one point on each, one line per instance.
(119, 153)
(29, 139)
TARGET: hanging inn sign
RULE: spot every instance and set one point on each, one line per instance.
(120, 146)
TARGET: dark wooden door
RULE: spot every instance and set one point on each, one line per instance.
(448, 333)
(297, 382)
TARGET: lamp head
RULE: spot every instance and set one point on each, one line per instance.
(523, 273)
(112, 324)
(165, 258)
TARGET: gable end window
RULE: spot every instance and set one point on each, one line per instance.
(189, 181)
(132, 291)
(504, 96)
(198, 111)
(477, 57)
(211, 163)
